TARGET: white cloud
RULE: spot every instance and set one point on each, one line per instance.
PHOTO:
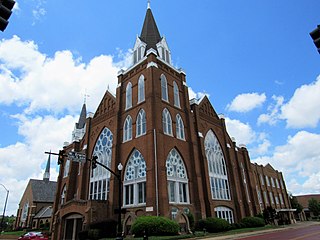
(298, 159)
(272, 116)
(242, 132)
(39, 82)
(246, 102)
(196, 95)
(49, 90)
(24, 160)
(303, 108)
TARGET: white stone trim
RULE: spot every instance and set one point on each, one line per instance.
(152, 64)
(200, 134)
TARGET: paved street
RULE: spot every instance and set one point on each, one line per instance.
(299, 231)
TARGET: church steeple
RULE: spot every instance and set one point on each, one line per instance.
(150, 39)
(150, 33)
(46, 175)
(80, 126)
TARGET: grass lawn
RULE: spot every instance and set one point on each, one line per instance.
(15, 233)
(201, 234)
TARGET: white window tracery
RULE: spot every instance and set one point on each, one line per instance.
(135, 180)
(127, 129)
(178, 190)
(141, 123)
(141, 93)
(176, 95)
(164, 88)
(166, 122)
(217, 168)
(66, 168)
(100, 177)
(224, 213)
(179, 127)
(129, 96)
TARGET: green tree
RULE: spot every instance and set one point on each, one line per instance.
(295, 204)
(314, 206)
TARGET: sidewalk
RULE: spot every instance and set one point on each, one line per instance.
(247, 234)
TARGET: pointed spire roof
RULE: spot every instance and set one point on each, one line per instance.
(150, 33)
(46, 175)
(82, 118)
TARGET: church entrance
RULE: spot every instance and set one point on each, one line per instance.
(73, 225)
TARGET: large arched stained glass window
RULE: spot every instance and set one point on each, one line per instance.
(177, 178)
(135, 180)
(217, 168)
(141, 94)
(100, 177)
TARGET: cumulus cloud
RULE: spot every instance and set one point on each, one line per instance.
(30, 78)
(242, 132)
(303, 108)
(246, 102)
(196, 95)
(298, 158)
(272, 116)
(48, 91)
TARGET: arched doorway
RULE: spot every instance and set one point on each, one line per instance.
(72, 226)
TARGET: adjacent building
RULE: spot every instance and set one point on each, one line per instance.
(35, 207)
(176, 153)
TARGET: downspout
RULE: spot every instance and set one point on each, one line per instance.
(156, 169)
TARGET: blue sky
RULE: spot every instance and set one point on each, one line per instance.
(254, 59)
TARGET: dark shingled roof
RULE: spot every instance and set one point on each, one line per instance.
(150, 33)
(43, 190)
(82, 118)
(44, 212)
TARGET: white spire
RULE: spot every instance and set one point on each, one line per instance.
(149, 4)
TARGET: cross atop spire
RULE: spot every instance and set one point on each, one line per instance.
(148, 4)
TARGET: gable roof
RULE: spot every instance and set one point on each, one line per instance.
(43, 190)
(44, 212)
(107, 104)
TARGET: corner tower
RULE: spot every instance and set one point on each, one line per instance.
(155, 129)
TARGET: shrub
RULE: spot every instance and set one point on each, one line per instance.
(251, 222)
(107, 228)
(83, 235)
(155, 226)
(94, 234)
(213, 225)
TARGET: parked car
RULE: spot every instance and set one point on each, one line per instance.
(33, 236)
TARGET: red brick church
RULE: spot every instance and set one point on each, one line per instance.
(176, 153)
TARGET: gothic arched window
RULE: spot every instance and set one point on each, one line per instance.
(177, 178)
(63, 195)
(141, 94)
(166, 122)
(179, 127)
(66, 168)
(224, 213)
(176, 95)
(164, 88)
(25, 210)
(217, 168)
(135, 180)
(141, 123)
(129, 95)
(127, 129)
(100, 177)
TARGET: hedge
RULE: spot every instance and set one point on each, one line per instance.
(251, 222)
(213, 225)
(154, 226)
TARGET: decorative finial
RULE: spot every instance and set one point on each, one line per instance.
(149, 4)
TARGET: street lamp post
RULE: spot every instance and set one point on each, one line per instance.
(4, 209)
